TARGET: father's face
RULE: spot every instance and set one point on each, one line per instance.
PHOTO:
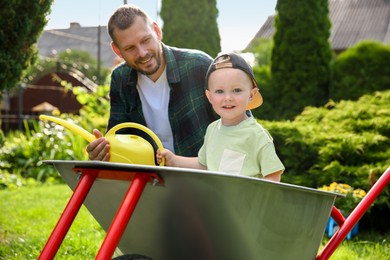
(140, 46)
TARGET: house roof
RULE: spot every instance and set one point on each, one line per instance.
(80, 38)
(352, 21)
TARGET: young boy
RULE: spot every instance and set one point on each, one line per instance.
(235, 143)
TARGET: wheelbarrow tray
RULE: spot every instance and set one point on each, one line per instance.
(195, 214)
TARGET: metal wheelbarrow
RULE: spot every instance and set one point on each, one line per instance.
(192, 214)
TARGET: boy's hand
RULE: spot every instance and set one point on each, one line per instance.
(168, 155)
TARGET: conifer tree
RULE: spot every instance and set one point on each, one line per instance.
(21, 24)
(191, 24)
(301, 55)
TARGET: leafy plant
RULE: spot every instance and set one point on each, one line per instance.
(23, 152)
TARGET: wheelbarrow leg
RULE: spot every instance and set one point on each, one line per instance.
(354, 217)
(68, 215)
(122, 217)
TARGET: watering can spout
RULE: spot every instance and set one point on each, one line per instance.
(72, 127)
(123, 148)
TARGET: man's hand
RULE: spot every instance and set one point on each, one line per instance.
(100, 148)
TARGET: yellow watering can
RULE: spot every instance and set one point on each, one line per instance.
(123, 148)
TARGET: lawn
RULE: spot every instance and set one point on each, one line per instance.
(29, 214)
(28, 217)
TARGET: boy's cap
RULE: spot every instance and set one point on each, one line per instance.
(235, 61)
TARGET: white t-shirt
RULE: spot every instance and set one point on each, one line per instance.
(155, 99)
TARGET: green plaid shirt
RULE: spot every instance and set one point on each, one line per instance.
(189, 110)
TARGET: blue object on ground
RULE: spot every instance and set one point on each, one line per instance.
(332, 227)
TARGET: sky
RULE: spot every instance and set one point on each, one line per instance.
(238, 21)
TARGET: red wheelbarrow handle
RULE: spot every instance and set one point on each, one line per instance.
(347, 224)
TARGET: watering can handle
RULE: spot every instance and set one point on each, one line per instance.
(155, 138)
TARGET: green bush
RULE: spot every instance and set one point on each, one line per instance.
(362, 69)
(23, 152)
(345, 142)
(339, 142)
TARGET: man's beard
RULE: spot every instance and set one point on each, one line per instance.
(153, 70)
(158, 61)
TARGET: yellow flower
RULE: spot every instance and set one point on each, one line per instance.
(352, 196)
(359, 193)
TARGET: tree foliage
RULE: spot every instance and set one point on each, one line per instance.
(362, 69)
(191, 24)
(301, 56)
(21, 24)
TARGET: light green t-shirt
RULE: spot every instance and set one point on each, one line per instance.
(245, 149)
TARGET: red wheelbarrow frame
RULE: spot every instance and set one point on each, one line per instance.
(347, 224)
(138, 182)
(122, 217)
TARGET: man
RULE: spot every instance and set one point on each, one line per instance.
(158, 86)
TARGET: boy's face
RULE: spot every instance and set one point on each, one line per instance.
(229, 92)
(140, 46)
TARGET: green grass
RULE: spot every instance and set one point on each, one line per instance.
(29, 214)
(365, 245)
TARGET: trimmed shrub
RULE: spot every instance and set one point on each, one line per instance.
(362, 69)
(345, 142)
(340, 142)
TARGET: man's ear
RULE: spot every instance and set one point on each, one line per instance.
(157, 30)
(208, 95)
(116, 50)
